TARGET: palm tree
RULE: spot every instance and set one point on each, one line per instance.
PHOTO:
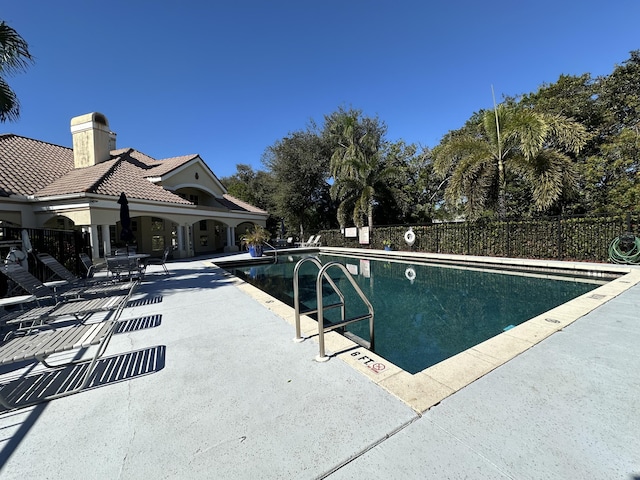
(531, 146)
(358, 192)
(14, 57)
(356, 166)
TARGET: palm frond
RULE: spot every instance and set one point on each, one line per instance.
(9, 105)
(14, 50)
(449, 155)
(550, 173)
(567, 134)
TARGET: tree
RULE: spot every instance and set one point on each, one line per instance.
(613, 174)
(299, 164)
(574, 97)
(612, 171)
(359, 172)
(620, 94)
(14, 57)
(515, 143)
(250, 186)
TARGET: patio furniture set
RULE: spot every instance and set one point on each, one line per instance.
(40, 319)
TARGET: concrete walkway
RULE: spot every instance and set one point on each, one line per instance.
(215, 388)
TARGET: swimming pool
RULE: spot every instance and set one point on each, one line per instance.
(423, 313)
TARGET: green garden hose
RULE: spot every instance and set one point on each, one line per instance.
(625, 249)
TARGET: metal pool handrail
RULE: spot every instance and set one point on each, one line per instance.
(275, 252)
(320, 310)
(296, 294)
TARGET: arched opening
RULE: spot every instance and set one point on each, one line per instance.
(60, 222)
(209, 236)
(151, 235)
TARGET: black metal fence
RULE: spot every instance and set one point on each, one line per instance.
(63, 245)
(578, 238)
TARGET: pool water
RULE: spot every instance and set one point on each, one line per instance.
(423, 313)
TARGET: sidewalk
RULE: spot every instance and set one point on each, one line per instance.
(231, 396)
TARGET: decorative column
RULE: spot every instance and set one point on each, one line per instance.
(189, 238)
(181, 247)
(93, 240)
(231, 240)
(106, 239)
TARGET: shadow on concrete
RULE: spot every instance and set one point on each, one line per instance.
(108, 370)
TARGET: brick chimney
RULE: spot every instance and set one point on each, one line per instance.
(92, 139)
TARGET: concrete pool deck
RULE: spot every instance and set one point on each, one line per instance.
(216, 388)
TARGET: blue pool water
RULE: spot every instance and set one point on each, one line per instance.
(423, 313)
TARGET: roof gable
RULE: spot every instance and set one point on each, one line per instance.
(112, 177)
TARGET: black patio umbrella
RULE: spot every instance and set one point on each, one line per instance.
(126, 235)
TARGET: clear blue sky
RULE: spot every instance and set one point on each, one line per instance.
(226, 79)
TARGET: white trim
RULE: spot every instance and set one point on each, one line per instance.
(197, 186)
(197, 159)
(66, 196)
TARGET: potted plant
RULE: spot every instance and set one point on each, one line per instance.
(254, 239)
(387, 244)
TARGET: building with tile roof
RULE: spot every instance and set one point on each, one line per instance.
(174, 201)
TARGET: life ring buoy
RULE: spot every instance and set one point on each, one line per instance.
(410, 237)
(410, 273)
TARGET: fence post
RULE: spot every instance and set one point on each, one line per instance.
(508, 239)
(560, 254)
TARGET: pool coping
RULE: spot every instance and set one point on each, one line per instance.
(429, 387)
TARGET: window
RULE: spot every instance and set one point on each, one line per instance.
(194, 199)
(157, 224)
(203, 225)
(157, 243)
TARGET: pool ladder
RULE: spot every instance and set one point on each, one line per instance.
(322, 329)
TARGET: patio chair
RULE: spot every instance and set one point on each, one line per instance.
(304, 244)
(312, 242)
(41, 345)
(81, 311)
(21, 280)
(88, 265)
(56, 268)
(161, 260)
(53, 290)
(61, 272)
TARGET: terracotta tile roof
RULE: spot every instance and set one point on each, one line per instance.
(164, 166)
(151, 166)
(125, 177)
(33, 167)
(77, 180)
(27, 165)
(111, 178)
(233, 203)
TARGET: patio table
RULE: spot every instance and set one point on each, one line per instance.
(132, 264)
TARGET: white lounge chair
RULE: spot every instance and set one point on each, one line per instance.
(48, 341)
(312, 242)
